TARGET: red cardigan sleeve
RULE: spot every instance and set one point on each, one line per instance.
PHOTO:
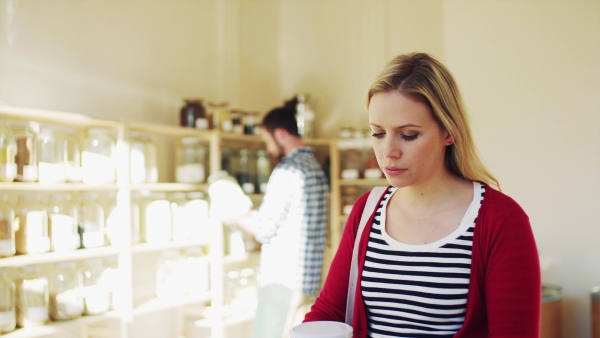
(331, 302)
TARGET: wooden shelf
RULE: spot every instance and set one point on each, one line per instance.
(27, 186)
(54, 117)
(169, 130)
(53, 257)
(150, 305)
(150, 247)
(170, 187)
(54, 328)
(364, 182)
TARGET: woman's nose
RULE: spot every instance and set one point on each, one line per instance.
(391, 149)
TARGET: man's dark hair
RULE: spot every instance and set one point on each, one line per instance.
(281, 117)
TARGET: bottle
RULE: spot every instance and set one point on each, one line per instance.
(97, 159)
(26, 157)
(193, 114)
(8, 149)
(91, 221)
(8, 313)
(32, 233)
(50, 156)
(191, 160)
(263, 170)
(62, 223)
(31, 297)
(96, 296)
(221, 116)
(7, 227)
(65, 301)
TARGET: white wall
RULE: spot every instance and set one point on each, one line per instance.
(529, 72)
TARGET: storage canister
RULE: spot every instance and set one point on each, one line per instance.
(8, 149)
(96, 296)
(143, 161)
(32, 229)
(551, 326)
(26, 157)
(32, 297)
(62, 223)
(65, 301)
(595, 297)
(71, 155)
(191, 160)
(97, 158)
(8, 319)
(91, 221)
(182, 222)
(7, 227)
(50, 150)
(158, 225)
(197, 210)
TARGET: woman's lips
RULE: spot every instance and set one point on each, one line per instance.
(394, 171)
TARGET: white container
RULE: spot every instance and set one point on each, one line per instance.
(32, 233)
(98, 158)
(50, 150)
(191, 159)
(96, 295)
(158, 227)
(91, 221)
(32, 297)
(321, 329)
(197, 210)
(62, 223)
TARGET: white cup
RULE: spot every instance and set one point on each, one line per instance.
(322, 329)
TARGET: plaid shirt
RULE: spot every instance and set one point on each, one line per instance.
(292, 223)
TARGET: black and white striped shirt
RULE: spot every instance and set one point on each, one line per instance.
(418, 290)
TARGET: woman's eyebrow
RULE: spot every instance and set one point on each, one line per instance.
(400, 127)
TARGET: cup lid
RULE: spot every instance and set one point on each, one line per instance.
(322, 329)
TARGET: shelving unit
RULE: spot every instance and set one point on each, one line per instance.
(132, 306)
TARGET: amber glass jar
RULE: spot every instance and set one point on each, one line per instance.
(193, 114)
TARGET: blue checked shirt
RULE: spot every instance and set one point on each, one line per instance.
(292, 223)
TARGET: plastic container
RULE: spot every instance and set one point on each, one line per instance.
(91, 221)
(31, 297)
(8, 312)
(62, 223)
(7, 227)
(32, 234)
(551, 325)
(322, 329)
(191, 161)
(97, 158)
(158, 227)
(8, 149)
(65, 301)
(26, 157)
(96, 295)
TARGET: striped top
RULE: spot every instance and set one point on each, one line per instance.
(418, 290)
(292, 223)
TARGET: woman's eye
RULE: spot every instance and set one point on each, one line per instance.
(409, 138)
(377, 135)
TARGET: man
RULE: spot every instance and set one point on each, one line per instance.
(291, 224)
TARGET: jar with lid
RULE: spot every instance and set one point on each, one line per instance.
(7, 227)
(143, 161)
(65, 301)
(32, 233)
(193, 114)
(245, 171)
(221, 116)
(32, 297)
(62, 223)
(98, 157)
(191, 161)
(249, 121)
(197, 211)
(263, 170)
(26, 157)
(169, 275)
(305, 116)
(350, 155)
(91, 221)
(236, 121)
(71, 155)
(96, 296)
(182, 223)
(8, 314)
(50, 152)
(158, 220)
(196, 271)
(8, 149)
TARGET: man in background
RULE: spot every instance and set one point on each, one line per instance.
(291, 224)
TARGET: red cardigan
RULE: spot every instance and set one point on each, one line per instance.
(504, 297)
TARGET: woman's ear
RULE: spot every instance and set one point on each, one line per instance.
(448, 139)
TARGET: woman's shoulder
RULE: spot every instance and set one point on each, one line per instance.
(497, 201)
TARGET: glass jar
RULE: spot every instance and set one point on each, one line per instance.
(143, 161)
(136, 207)
(7, 227)
(236, 121)
(71, 156)
(8, 320)
(350, 156)
(62, 223)
(195, 272)
(263, 170)
(169, 275)
(91, 221)
(32, 233)
(32, 297)
(221, 116)
(110, 279)
(8, 149)
(305, 116)
(249, 121)
(26, 157)
(191, 160)
(50, 150)
(193, 114)
(182, 222)
(65, 301)
(245, 171)
(158, 220)
(96, 296)
(197, 211)
(97, 159)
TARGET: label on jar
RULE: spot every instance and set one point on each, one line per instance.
(51, 173)
(349, 173)
(37, 314)
(97, 169)
(8, 171)
(201, 123)
(190, 173)
(62, 228)
(7, 319)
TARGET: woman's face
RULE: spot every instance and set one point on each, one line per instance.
(408, 142)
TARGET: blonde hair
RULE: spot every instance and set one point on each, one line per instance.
(423, 78)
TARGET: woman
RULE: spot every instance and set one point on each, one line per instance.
(443, 254)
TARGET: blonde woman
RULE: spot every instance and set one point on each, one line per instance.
(443, 253)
